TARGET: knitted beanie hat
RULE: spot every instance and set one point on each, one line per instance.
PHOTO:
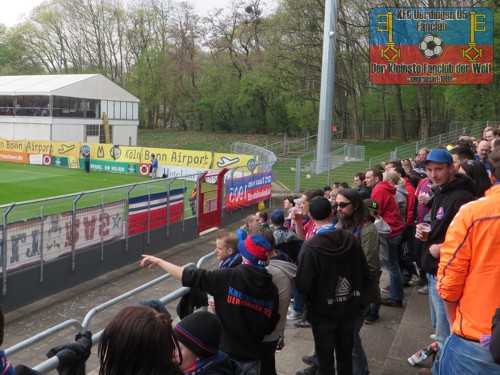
(199, 332)
(255, 249)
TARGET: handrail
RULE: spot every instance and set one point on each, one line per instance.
(114, 301)
(52, 363)
(42, 335)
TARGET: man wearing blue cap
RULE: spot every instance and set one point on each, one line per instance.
(245, 298)
(454, 190)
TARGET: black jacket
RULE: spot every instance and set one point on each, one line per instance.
(332, 273)
(445, 204)
(246, 303)
(495, 337)
(222, 365)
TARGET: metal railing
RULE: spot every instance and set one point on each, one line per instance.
(261, 154)
(411, 149)
(44, 229)
(297, 145)
(297, 174)
(52, 363)
(294, 174)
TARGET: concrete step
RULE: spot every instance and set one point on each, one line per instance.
(412, 334)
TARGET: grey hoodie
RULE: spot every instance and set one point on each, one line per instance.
(283, 273)
(401, 199)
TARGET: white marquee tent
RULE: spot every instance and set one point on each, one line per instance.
(66, 108)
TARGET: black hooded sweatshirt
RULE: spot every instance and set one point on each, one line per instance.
(332, 272)
(246, 303)
(445, 204)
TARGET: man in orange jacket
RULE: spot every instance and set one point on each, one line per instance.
(468, 279)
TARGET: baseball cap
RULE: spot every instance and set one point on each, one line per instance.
(438, 155)
(277, 217)
(371, 204)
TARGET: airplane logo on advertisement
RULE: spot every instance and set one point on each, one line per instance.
(226, 162)
(65, 148)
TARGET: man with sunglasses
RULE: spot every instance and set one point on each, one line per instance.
(354, 217)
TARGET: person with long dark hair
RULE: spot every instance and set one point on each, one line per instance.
(478, 174)
(354, 218)
(138, 341)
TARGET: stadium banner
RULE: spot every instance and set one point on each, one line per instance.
(71, 150)
(109, 152)
(143, 169)
(39, 147)
(36, 159)
(14, 157)
(46, 159)
(244, 163)
(246, 191)
(14, 146)
(431, 46)
(157, 204)
(25, 238)
(126, 154)
(173, 172)
(181, 158)
(60, 161)
(110, 166)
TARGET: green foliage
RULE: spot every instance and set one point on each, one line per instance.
(247, 69)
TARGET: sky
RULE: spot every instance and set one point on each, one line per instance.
(12, 10)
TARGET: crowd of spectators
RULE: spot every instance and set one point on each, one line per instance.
(429, 222)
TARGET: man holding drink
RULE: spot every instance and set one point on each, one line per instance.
(453, 191)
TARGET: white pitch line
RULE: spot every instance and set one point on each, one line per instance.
(25, 177)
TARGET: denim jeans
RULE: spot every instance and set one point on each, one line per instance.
(249, 367)
(395, 279)
(374, 309)
(466, 357)
(299, 300)
(442, 325)
(359, 361)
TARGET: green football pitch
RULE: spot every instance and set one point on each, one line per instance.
(23, 182)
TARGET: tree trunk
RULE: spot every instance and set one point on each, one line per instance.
(385, 130)
(400, 116)
(354, 116)
(423, 93)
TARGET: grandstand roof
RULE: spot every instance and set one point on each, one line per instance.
(90, 86)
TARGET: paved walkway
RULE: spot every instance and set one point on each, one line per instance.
(388, 343)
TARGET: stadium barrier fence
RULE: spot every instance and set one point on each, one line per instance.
(34, 233)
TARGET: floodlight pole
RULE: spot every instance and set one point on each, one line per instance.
(327, 85)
